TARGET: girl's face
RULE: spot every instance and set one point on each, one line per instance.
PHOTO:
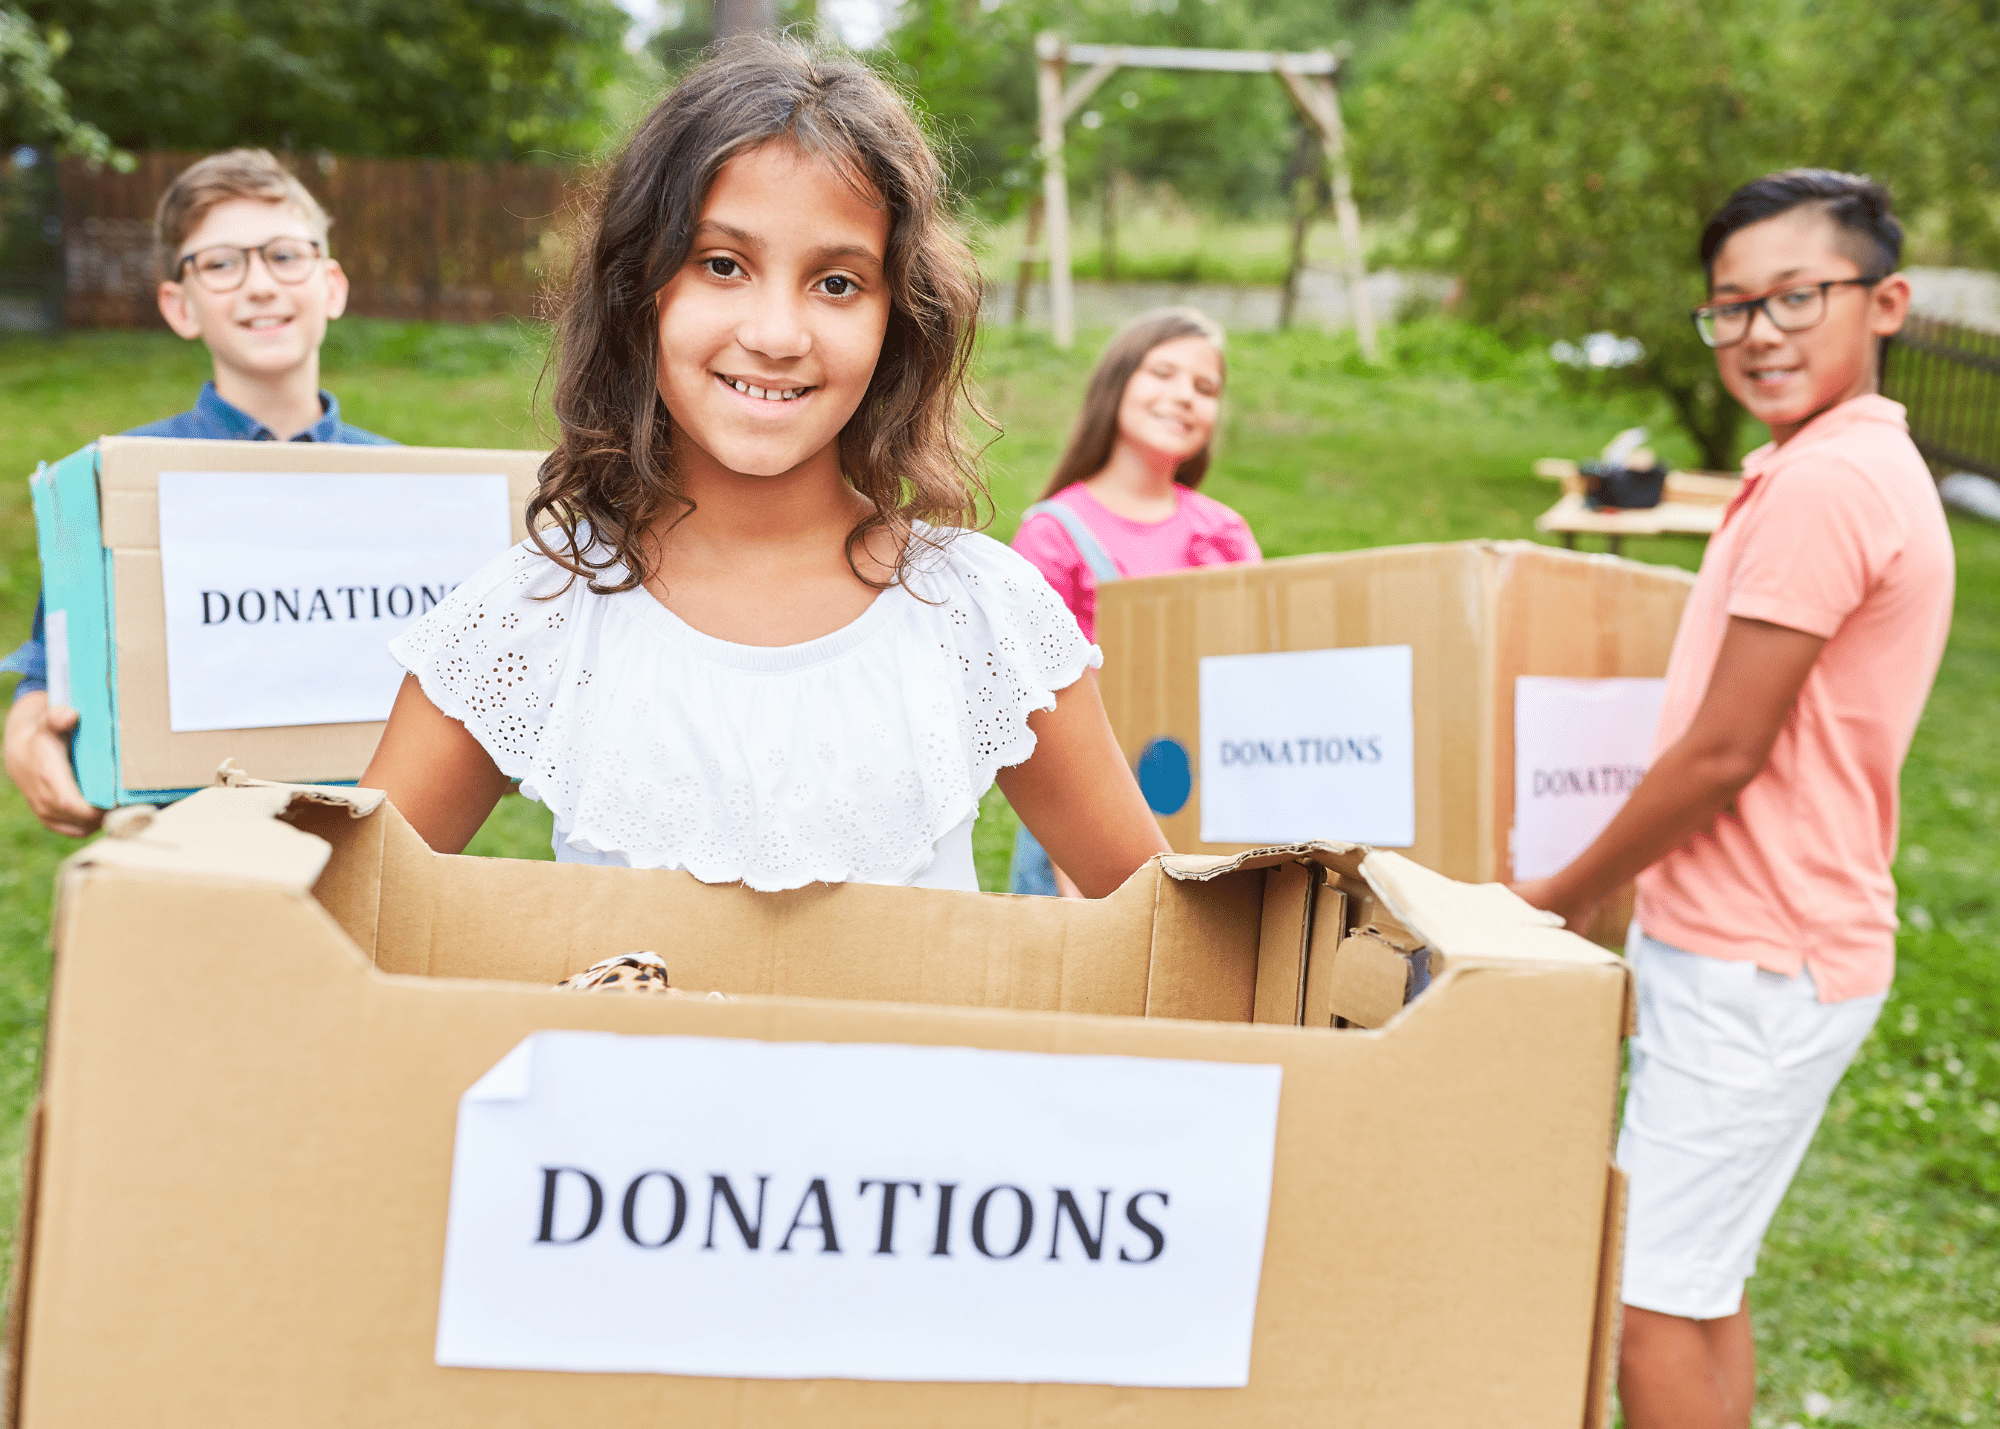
(770, 332)
(1172, 400)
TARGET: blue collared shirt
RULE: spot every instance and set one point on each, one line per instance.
(212, 419)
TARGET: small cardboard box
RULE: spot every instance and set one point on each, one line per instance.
(268, 1001)
(97, 516)
(1476, 615)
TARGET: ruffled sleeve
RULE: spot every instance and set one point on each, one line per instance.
(492, 654)
(1014, 641)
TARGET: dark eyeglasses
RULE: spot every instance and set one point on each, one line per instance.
(222, 268)
(1789, 309)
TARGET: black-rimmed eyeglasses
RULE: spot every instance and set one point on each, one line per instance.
(1789, 309)
(222, 268)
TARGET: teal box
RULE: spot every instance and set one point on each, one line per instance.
(77, 601)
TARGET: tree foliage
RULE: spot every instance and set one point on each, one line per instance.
(1225, 140)
(1561, 156)
(487, 79)
(33, 107)
(687, 29)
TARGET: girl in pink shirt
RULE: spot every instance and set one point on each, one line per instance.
(1135, 457)
(1122, 501)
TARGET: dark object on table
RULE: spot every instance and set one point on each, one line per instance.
(1616, 487)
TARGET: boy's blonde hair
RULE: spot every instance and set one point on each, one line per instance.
(232, 174)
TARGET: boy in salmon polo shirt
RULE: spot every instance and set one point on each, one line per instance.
(242, 247)
(1762, 836)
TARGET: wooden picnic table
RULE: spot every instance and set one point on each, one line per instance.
(1693, 506)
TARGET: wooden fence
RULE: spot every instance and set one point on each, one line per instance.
(441, 240)
(1948, 375)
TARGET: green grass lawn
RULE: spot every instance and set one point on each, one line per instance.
(1879, 1297)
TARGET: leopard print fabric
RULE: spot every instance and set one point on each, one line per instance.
(628, 972)
(631, 972)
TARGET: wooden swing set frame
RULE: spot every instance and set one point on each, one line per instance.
(1308, 78)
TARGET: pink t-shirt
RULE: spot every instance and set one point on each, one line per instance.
(1838, 533)
(1203, 532)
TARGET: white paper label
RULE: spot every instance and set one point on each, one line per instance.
(688, 1205)
(1580, 747)
(1309, 744)
(283, 589)
(55, 648)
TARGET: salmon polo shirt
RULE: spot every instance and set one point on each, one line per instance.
(1838, 533)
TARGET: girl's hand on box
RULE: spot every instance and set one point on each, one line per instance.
(1078, 797)
(38, 737)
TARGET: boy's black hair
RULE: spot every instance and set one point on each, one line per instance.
(1867, 228)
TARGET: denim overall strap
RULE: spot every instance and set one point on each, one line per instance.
(1087, 545)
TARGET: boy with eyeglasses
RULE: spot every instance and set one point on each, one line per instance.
(243, 251)
(1762, 836)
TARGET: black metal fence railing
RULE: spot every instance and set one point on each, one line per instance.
(1948, 376)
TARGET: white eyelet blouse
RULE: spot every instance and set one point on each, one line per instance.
(858, 757)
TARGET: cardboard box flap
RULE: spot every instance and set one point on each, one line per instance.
(358, 802)
(1482, 921)
(1200, 867)
(234, 833)
(1508, 552)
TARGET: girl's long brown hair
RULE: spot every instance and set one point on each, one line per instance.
(612, 473)
(1096, 430)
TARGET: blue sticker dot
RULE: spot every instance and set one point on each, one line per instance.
(1165, 776)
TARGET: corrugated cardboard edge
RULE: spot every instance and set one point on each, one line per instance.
(17, 1279)
(1284, 943)
(359, 802)
(1609, 1329)
(1200, 867)
(232, 834)
(1495, 565)
(1469, 923)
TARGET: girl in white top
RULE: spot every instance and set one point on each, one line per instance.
(747, 639)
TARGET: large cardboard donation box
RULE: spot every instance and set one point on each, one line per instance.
(207, 600)
(1484, 706)
(318, 1145)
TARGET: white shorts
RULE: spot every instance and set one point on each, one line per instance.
(1731, 1070)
